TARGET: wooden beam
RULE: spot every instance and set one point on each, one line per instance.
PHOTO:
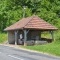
(8, 37)
(16, 32)
(28, 31)
(40, 35)
(25, 37)
(52, 34)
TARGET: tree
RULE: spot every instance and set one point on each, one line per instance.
(12, 11)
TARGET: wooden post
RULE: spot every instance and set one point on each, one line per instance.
(25, 37)
(8, 37)
(52, 34)
(40, 35)
(15, 38)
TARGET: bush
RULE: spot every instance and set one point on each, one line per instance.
(57, 36)
(3, 37)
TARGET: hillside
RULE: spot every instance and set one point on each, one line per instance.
(12, 10)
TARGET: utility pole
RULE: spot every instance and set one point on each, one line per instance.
(24, 7)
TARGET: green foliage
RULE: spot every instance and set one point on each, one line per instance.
(3, 37)
(57, 36)
(12, 11)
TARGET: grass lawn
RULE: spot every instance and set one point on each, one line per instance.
(52, 48)
(3, 37)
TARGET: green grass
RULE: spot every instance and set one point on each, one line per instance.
(51, 48)
(3, 37)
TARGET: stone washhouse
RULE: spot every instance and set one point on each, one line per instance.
(27, 31)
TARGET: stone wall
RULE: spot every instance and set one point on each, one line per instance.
(11, 37)
(33, 35)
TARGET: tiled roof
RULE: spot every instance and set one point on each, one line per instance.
(33, 22)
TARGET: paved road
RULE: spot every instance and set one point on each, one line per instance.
(9, 53)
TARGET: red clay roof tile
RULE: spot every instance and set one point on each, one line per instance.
(33, 22)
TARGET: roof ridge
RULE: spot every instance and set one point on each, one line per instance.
(29, 21)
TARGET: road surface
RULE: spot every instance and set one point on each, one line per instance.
(9, 53)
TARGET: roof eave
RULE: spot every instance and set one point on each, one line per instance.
(13, 29)
(42, 29)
